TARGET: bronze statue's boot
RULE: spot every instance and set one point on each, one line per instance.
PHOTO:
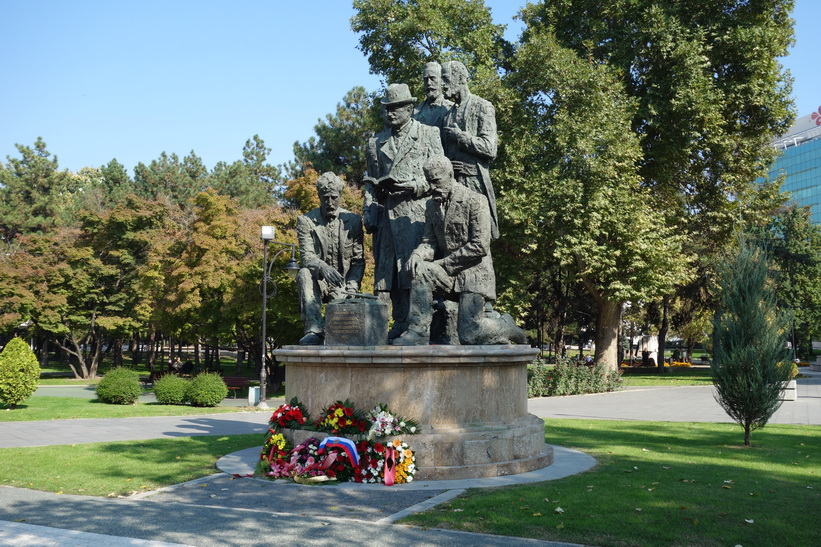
(312, 339)
(411, 338)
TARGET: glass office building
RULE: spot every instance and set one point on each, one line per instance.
(800, 163)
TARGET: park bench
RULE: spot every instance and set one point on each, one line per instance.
(154, 376)
(235, 383)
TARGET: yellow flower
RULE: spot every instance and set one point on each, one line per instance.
(408, 453)
(397, 443)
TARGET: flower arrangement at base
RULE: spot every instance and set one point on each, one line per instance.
(385, 423)
(342, 418)
(276, 448)
(371, 461)
(405, 461)
(292, 415)
(337, 458)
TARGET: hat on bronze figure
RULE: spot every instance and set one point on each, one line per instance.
(397, 94)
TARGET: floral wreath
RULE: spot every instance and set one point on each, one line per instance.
(338, 458)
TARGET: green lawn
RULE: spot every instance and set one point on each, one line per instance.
(660, 484)
(675, 376)
(119, 468)
(63, 408)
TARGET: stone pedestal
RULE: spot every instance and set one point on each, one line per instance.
(790, 391)
(470, 401)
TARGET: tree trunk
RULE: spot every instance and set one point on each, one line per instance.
(561, 315)
(44, 354)
(607, 329)
(152, 352)
(240, 359)
(134, 347)
(665, 326)
(117, 353)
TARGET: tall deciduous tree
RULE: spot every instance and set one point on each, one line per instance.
(576, 194)
(710, 96)
(86, 282)
(398, 38)
(796, 247)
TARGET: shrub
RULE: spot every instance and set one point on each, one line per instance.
(119, 386)
(172, 390)
(568, 378)
(749, 339)
(19, 372)
(207, 389)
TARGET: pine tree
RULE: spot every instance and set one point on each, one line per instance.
(749, 340)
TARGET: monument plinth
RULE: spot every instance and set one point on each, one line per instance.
(470, 401)
(357, 321)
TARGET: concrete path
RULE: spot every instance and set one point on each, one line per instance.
(675, 404)
(224, 510)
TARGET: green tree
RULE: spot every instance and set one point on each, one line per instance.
(19, 372)
(172, 178)
(398, 38)
(576, 195)
(32, 191)
(796, 247)
(83, 286)
(710, 96)
(339, 145)
(749, 340)
(252, 182)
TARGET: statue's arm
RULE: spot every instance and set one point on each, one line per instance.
(477, 245)
(432, 142)
(310, 256)
(353, 278)
(484, 142)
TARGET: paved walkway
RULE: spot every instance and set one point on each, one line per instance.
(223, 510)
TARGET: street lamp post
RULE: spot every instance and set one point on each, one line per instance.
(267, 236)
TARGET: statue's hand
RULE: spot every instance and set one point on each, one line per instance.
(452, 132)
(332, 276)
(402, 187)
(413, 264)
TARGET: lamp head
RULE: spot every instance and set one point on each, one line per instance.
(266, 233)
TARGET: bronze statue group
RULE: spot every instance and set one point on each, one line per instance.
(430, 207)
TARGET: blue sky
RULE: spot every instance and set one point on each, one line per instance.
(131, 79)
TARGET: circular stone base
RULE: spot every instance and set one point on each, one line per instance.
(470, 401)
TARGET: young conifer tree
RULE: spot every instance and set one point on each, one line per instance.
(749, 339)
(19, 372)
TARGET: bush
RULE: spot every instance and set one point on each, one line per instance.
(19, 372)
(568, 378)
(172, 390)
(749, 339)
(207, 389)
(119, 386)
